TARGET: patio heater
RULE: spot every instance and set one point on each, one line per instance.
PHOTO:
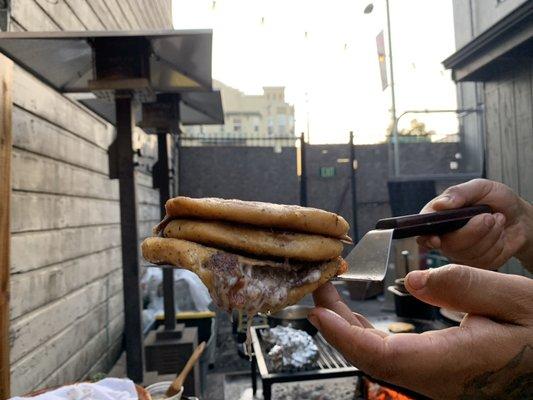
(119, 67)
(168, 348)
(165, 348)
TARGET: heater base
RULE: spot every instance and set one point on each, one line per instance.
(166, 353)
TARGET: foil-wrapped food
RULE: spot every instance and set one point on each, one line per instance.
(291, 349)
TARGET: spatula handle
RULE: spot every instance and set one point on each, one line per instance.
(435, 223)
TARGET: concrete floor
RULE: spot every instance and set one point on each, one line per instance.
(238, 387)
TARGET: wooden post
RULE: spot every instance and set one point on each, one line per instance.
(130, 240)
(6, 79)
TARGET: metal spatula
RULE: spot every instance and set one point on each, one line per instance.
(369, 259)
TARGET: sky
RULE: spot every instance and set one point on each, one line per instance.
(324, 53)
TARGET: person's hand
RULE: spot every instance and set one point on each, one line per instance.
(487, 240)
(489, 356)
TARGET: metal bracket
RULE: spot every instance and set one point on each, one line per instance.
(161, 115)
(121, 65)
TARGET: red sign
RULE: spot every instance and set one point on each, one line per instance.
(380, 43)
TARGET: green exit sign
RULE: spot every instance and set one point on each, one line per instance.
(327, 172)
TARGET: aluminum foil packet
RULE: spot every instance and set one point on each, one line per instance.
(292, 349)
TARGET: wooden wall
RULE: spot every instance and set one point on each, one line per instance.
(66, 309)
(509, 132)
(6, 108)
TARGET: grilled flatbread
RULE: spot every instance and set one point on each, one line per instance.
(243, 283)
(285, 217)
(256, 241)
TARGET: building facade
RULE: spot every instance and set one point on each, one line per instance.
(249, 117)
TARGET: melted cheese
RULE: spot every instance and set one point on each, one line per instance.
(253, 289)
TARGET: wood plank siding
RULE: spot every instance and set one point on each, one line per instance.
(6, 106)
(66, 305)
(509, 132)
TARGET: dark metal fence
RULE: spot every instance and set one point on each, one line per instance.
(226, 141)
(237, 139)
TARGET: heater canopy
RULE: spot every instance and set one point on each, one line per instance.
(195, 108)
(171, 61)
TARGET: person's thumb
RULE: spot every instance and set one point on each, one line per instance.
(492, 294)
(476, 191)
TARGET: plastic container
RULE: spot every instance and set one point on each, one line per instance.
(157, 391)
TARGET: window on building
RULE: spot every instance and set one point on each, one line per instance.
(282, 122)
(270, 126)
(255, 123)
(290, 120)
(237, 124)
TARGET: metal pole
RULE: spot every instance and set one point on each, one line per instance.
(164, 194)
(130, 239)
(355, 231)
(303, 172)
(393, 99)
(177, 165)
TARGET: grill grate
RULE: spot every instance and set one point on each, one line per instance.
(329, 358)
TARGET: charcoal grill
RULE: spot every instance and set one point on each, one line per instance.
(330, 364)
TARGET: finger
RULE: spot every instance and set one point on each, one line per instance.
(486, 255)
(499, 296)
(469, 235)
(476, 191)
(476, 238)
(361, 346)
(363, 321)
(327, 296)
(430, 242)
(396, 358)
(467, 238)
